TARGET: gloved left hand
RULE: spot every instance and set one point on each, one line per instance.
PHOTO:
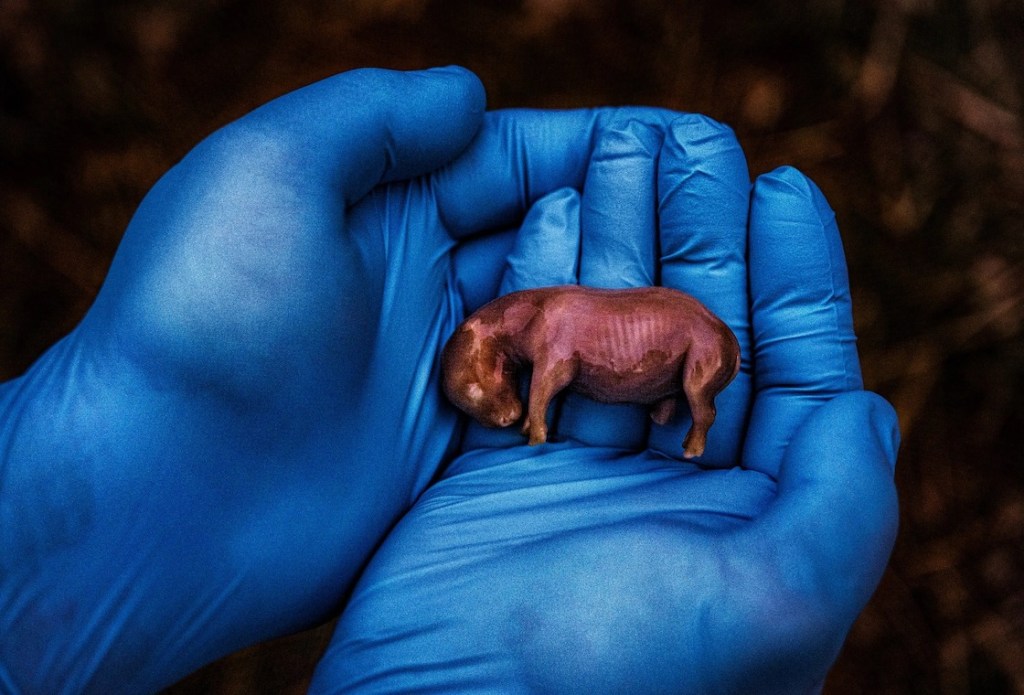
(252, 402)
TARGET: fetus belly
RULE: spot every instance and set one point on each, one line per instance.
(628, 358)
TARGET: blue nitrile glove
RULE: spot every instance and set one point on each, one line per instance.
(601, 562)
(210, 458)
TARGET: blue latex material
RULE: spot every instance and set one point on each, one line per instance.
(252, 403)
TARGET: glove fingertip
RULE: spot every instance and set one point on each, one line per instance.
(695, 127)
(787, 183)
(547, 244)
(473, 93)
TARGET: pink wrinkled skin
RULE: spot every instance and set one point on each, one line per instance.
(643, 345)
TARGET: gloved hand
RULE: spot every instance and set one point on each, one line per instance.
(602, 562)
(209, 459)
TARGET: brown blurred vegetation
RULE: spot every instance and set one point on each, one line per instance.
(906, 112)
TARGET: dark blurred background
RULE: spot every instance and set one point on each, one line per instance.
(906, 112)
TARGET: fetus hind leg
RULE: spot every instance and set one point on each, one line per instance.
(664, 410)
(701, 383)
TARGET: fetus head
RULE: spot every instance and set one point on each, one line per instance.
(479, 377)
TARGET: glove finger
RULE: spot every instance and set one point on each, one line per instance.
(703, 202)
(618, 215)
(370, 126)
(618, 250)
(544, 253)
(824, 543)
(547, 246)
(804, 346)
(519, 156)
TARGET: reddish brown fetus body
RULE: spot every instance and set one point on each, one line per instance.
(643, 345)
